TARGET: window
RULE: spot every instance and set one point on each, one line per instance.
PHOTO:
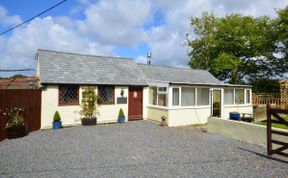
(175, 96)
(162, 96)
(187, 96)
(239, 96)
(228, 96)
(158, 96)
(247, 96)
(202, 96)
(106, 94)
(153, 95)
(68, 95)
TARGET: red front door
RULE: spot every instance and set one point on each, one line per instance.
(135, 103)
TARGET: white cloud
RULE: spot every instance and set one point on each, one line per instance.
(117, 22)
(7, 20)
(109, 24)
(21, 46)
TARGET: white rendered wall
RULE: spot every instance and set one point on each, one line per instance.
(182, 117)
(70, 114)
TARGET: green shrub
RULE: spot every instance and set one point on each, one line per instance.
(89, 101)
(56, 117)
(121, 113)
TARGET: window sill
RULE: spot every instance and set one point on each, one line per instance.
(69, 104)
(189, 107)
(158, 107)
(106, 103)
(237, 105)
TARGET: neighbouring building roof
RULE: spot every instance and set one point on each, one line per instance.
(70, 68)
(19, 83)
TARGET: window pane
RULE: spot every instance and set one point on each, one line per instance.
(228, 96)
(68, 94)
(239, 96)
(162, 89)
(162, 101)
(106, 94)
(202, 96)
(187, 96)
(153, 95)
(175, 96)
(248, 96)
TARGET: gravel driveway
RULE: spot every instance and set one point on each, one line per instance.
(134, 149)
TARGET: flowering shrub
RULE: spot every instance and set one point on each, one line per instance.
(15, 119)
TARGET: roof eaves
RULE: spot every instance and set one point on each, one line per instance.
(210, 84)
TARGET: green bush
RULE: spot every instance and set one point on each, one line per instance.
(89, 101)
(121, 113)
(56, 117)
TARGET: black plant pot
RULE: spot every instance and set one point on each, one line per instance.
(89, 121)
(16, 132)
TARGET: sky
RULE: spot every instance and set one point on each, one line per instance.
(119, 28)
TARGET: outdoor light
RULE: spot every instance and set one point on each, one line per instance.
(122, 92)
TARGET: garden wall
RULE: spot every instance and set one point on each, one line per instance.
(247, 132)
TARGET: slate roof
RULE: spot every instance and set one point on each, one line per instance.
(70, 68)
(178, 75)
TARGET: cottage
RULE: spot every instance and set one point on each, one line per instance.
(183, 96)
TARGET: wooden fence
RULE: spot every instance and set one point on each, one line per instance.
(266, 98)
(277, 119)
(27, 99)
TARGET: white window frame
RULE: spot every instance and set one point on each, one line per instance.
(193, 106)
(179, 97)
(196, 95)
(163, 93)
(233, 104)
(234, 100)
(250, 99)
(157, 93)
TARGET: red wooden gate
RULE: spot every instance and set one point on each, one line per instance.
(27, 99)
(277, 119)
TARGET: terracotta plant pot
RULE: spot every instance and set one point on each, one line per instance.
(89, 121)
(16, 132)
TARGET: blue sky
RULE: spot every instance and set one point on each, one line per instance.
(111, 27)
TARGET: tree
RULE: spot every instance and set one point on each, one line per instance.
(236, 48)
(281, 26)
(226, 66)
(201, 52)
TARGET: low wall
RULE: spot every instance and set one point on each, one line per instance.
(155, 114)
(247, 132)
(188, 116)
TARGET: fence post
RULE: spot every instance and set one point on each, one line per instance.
(269, 134)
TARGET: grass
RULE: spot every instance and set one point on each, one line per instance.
(281, 126)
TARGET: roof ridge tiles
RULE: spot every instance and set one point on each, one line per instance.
(171, 67)
(81, 54)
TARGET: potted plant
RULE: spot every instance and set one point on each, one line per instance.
(15, 126)
(234, 115)
(121, 116)
(88, 106)
(57, 124)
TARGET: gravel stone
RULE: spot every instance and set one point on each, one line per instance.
(135, 149)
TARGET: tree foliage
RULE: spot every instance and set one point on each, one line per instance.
(238, 48)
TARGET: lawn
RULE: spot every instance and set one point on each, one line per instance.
(282, 126)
